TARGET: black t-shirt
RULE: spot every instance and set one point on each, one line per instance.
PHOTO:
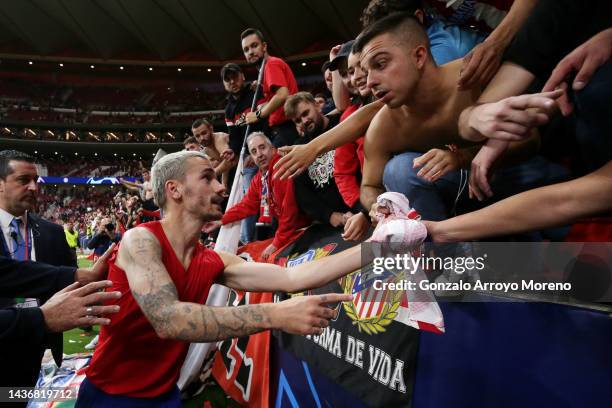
(554, 29)
(316, 191)
(238, 105)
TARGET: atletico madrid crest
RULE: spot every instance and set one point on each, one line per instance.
(371, 309)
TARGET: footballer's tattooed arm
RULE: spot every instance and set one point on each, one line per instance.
(151, 285)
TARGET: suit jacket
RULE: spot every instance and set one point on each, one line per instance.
(33, 279)
(24, 353)
(50, 242)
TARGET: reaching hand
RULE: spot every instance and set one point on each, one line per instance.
(436, 163)
(270, 249)
(307, 314)
(295, 161)
(97, 272)
(356, 227)
(78, 307)
(480, 64)
(585, 60)
(481, 168)
(283, 150)
(512, 118)
(248, 161)
(333, 53)
(228, 154)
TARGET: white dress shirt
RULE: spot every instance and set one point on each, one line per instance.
(5, 221)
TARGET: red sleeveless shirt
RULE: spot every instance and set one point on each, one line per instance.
(130, 358)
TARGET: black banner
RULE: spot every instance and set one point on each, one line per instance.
(368, 353)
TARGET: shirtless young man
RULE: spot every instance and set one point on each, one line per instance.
(422, 106)
(419, 119)
(417, 110)
(164, 275)
(144, 188)
(216, 146)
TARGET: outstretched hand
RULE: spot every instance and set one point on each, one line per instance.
(228, 154)
(333, 53)
(295, 161)
(436, 163)
(356, 227)
(512, 119)
(585, 60)
(76, 306)
(480, 64)
(270, 249)
(307, 314)
(98, 271)
(480, 171)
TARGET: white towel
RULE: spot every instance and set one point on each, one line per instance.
(403, 232)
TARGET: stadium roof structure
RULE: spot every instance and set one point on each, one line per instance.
(171, 32)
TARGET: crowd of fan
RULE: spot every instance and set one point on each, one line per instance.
(425, 105)
(19, 96)
(491, 117)
(59, 166)
(92, 211)
(74, 204)
(453, 117)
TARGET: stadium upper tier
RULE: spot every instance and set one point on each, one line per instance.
(118, 102)
(65, 102)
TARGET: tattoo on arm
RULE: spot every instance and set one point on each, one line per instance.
(158, 298)
(219, 323)
(202, 323)
(158, 307)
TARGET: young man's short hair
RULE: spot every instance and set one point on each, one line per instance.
(294, 100)
(403, 25)
(251, 31)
